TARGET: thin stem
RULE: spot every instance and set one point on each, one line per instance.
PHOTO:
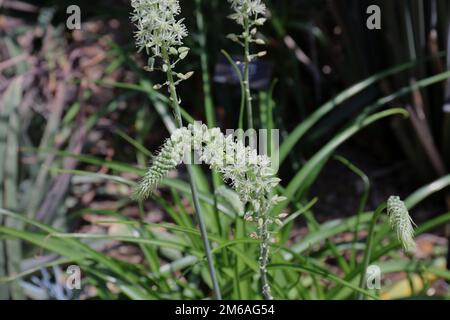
(173, 92)
(362, 202)
(263, 232)
(204, 235)
(264, 236)
(208, 100)
(368, 250)
(209, 109)
(248, 95)
(198, 209)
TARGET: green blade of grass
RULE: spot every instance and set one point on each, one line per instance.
(304, 126)
(362, 202)
(77, 250)
(427, 190)
(324, 274)
(302, 180)
(339, 292)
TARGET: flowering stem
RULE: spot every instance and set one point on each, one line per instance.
(204, 235)
(209, 108)
(368, 249)
(172, 89)
(198, 210)
(248, 95)
(263, 234)
(208, 101)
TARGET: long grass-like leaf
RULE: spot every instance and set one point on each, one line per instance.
(304, 126)
(303, 179)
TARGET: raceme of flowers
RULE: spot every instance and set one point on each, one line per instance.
(157, 24)
(170, 156)
(401, 222)
(250, 174)
(161, 35)
(249, 14)
(248, 9)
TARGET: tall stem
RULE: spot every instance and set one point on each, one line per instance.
(209, 108)
(208, 101)
(248, 95)
(368, 249)
(173, 91)
(263, 234)
(198, 209)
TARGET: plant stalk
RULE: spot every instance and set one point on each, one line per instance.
(208, 100)
(207, 92)
(198, 210)
(248, 95)
(264, 236)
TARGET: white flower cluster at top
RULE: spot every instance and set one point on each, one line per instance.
(157, 24)
(250, 14)
(401, 222)
(248, 10)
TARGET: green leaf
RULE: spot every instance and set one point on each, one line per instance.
(427, 190)
(303, 127)
(304, 178)
(324, 274)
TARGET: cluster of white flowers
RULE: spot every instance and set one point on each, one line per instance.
(244, 10)
(250, 174)
(169, 157)
(157, 24)
(249, 14)
(401, 222)
(161, 35)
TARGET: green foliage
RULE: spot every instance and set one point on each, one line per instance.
(317, 264)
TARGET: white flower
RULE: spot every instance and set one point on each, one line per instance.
(249, 174)
(247, 9)
(156, 24)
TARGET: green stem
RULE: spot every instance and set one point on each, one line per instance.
(195, 196)
(264, 237)
(368, 250)
(248, 95)
(362, 202)
(208, 102)
(263, 232)
(173, 92)
(209, 110)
